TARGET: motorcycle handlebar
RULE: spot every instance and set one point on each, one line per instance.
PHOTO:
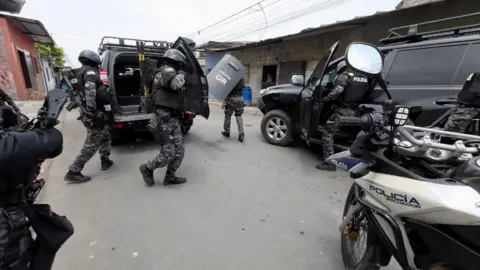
(364, 121)
(458, 146)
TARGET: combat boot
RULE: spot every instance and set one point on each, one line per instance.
(106, 164)
(325, 166)
(171, 179)
(147, 175)
(241, 137)
(226, 134)
(76, 177)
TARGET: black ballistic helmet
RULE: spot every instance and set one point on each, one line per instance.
(341, 67)
(88, 57)
(175, 55)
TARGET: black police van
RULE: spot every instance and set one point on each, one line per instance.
(426, 69)
(120, 69)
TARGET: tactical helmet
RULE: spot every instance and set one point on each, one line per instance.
(87, 57)
(175, 55)
(341, 67)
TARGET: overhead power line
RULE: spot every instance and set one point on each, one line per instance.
(272, 10)
(272, 16)
(294, 16)
(229, 17)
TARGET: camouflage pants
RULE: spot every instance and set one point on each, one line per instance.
(172, 149)
(97, 140)
(460, 118)
(234, 105)
(328, 134)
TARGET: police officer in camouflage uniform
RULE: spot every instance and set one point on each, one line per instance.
(234, 103)
(93, 118)
(350, 89)
(168, 99)
(4, 100)
(468, 105)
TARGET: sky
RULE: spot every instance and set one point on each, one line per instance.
(76, 25)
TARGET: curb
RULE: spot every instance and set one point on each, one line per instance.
(47, 164)
(247, 110)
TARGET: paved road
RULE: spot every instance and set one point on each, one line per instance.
(246, 206)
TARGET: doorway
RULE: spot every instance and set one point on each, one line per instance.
(269, 76)
(26, 74)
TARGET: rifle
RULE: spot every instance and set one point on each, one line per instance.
(75, 95)
(147, 72)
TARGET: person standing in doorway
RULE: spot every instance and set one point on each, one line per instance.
(268, 82)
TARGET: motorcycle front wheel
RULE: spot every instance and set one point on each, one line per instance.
(357, 253)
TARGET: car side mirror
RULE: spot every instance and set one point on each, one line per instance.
(400, 115)
(298, 80)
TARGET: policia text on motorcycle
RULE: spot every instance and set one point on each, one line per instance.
(350, 89)
(93, 116)
(167, 104)
(468, 105)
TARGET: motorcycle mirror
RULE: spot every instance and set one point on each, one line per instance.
(367, 58)
(400, 115)
(364, 58)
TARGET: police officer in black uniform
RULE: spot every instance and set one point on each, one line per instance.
(168, 105)
(468, 105)
(350, 89)
(93, 118)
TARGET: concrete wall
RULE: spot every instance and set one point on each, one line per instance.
(312, 48)
(13, 40)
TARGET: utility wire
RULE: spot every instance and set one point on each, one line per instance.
(225, 22)
(273, 14)
(292, 17)
(231, 16)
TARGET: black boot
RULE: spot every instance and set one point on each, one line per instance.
(106, 164)
(147, 175)
(324, 166)
(76, 177)
(241, 137)
(171, 179)
(226, 134)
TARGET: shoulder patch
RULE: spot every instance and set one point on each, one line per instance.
(91, 72)
(351, 74)
(169, 69)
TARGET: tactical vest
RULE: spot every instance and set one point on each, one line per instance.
(78, 83)
(356, 89)
(470, 93)
(167, 97)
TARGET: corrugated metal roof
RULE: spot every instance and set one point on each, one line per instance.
(324, 28)
(35, 29)
(215, 45)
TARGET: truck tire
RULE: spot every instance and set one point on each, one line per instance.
(276, 128)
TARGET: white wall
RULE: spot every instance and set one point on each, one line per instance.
(255, 81)
(48, 75)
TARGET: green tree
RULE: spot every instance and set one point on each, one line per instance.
(50, 50)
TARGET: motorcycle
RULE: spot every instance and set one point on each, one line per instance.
(424, 222)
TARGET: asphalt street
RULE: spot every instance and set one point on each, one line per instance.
(246, 205)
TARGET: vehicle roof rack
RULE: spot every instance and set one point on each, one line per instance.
(109, 43)
(413, 33)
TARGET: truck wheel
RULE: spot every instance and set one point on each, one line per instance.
(185, 129)
(276, 128)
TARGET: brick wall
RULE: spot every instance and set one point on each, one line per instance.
(12, 40)
(372, 30)
(7, 82)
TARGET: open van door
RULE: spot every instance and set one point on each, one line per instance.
(196, 100)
